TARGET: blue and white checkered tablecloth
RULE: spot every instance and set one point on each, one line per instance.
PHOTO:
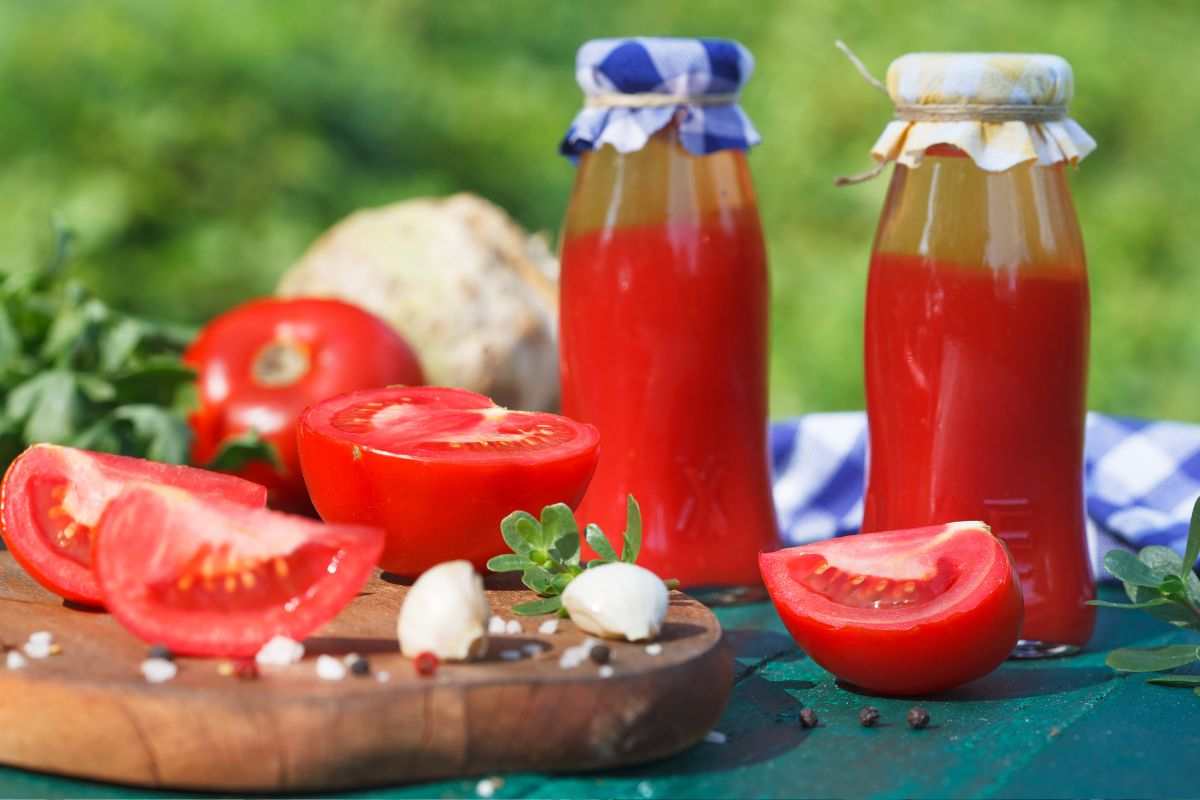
(1141, 479)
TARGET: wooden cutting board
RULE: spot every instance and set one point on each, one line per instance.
(88, 712)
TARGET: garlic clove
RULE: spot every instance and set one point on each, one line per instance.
(445, 613)
(617, 601)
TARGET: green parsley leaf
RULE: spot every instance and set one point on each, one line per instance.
(514, 537)
(509, 562)
(632, 544)
(1155, 659)
(1192, 550)
(1129, 568)
(246, 448)
(1175, 680)
(543, 605)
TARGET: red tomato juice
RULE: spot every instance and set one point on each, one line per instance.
(976, 397)
(664, 337)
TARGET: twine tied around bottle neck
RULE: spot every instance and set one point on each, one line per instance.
(657, 100)
(949, 112)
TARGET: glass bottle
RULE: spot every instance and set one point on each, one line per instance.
(977, 327)
(977, 323)
(663, 325)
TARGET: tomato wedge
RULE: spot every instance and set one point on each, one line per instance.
(213, 578)
(902, 612)
(52, 498)
(439, 468)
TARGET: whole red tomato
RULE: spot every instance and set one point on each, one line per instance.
(261, 364)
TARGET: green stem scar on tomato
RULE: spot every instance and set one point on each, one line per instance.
(261, 364)
(438, 469)
(213, 578)
(52, 497)
(904, 612)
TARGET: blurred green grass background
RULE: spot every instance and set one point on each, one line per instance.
(198, 146)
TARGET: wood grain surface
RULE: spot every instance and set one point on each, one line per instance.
(89, 713)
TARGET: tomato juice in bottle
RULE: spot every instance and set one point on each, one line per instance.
(663, 325)
(976, 348)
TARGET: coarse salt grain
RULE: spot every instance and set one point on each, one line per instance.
(496, 626)
(350, 658)
(532, 649)
(41, 638)
(715, 737)
(157, 670)
(14, 660)
(37, 649)
(330, 668)
(510, 655)
(654, 649)
(574, 656)
(383, 677)
(548, 627)
(606, 671)
(488, 786)
(280, 651)
(644, 789)
(512, 627)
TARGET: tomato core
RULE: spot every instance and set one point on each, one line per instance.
(216, 580)
(281, 363)
(65, 534)
(862, 590)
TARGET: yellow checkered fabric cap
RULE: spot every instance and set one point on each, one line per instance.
(1002, 109)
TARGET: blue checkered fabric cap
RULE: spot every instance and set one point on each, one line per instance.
(1141, 479)
(634, 87)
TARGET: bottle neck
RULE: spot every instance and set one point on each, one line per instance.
(949, 210)
(660, 183)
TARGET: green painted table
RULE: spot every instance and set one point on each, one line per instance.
(1063, 728)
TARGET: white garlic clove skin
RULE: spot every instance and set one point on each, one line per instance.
(617, 601)
(445, 613)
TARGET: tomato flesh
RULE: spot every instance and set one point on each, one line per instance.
(261, 364)
(439, 468)
(902, 612)
(213, 578)
(52, 497)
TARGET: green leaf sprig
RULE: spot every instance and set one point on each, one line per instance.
(547, 554)
(75, 371)
(1166, 586)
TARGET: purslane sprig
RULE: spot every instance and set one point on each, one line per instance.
(547, 552)
(1166, 586)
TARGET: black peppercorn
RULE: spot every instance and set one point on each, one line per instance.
(808, 718)
(918, 717)
(360, 666)
(868, 716)
(161, 651)
(600, 653)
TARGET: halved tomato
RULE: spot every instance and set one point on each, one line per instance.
(438, 469)
(210, 577)
(52, 498)
(902, 612)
